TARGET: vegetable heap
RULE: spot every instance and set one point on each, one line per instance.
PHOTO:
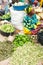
(20, 40)
(6, 16)
(7, 28)
(28, 54)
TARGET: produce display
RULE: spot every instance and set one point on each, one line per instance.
(6, 16)
(7, 28)
(21, 39)
(28, 54)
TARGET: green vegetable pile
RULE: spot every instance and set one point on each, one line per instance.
(28, 54)
(6, 16)
(7, 28)
(20, 39)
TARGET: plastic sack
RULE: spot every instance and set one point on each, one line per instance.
(17, 18)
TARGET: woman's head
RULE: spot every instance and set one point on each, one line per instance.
(30, 10)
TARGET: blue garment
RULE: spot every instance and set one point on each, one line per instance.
(32, 20)
(29, 22)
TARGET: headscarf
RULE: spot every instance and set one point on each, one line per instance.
(29, 9)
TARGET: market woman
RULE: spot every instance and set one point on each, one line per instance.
(30, 21)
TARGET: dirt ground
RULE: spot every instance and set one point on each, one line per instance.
(5, 62)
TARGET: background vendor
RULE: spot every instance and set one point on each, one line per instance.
(30, 20)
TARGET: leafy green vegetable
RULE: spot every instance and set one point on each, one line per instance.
(28, 54)
(8, 28)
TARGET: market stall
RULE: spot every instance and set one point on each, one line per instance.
(21, 29)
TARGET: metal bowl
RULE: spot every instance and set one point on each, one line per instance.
(6, 34)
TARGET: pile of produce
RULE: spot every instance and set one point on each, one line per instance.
(20, 40)
(28, 54)
(7, 28)
(6, 16)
